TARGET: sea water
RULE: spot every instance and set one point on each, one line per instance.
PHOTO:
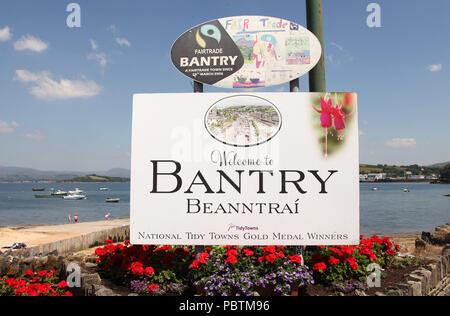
(385, 210)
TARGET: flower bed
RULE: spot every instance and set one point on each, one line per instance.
(241, 271)
(332, 265)
(233, 271)
(43, 283)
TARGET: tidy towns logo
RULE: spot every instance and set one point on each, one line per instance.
(241, 228)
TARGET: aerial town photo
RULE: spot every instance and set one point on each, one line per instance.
(243, 125)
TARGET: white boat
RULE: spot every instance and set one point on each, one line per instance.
(59, 193)
(103, 189)
(75, 197)
(374, 189)
(406, 190)
(76, 192)
(113, 200)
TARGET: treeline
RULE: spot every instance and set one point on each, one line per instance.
(400, 171)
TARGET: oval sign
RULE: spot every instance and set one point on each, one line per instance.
(246, 52)
(243, 121)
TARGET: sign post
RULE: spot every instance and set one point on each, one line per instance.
(314, 20)
(224, 168)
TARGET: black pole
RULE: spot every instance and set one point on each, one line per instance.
(314, 18)
(198, 88)
(294, 85)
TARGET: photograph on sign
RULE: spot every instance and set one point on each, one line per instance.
(246, 52)
(245, 169)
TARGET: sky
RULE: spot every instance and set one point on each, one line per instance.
(66, 93)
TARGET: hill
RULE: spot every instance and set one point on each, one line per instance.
(16, 174)
(399, 171)
(96, 178)
(440, 165)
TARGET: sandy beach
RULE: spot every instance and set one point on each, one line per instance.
(39, 235)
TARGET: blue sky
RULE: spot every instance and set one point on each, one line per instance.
(66, 93)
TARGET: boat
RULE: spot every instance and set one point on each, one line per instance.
(47, 196)
(38, 189)
(75, 197)
(406, 190)
(76, 192)
(112, 200)
(374, 189)
(103, 189)
(59, 193)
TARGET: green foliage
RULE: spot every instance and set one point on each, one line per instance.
(445, 173)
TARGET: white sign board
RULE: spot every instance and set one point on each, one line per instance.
(245, 169)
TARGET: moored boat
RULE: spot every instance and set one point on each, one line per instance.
(38, 189)
(112, 200)
(75, 197)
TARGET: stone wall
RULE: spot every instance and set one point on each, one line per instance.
(431, 279)
(78, 243)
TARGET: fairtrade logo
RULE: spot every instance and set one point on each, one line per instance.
(208, 30)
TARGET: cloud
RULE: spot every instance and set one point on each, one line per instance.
(113, 29)
(35, 135)
(100, 58)
(94, 45)
(45, 88)
(338, 54)
(123, 42)
(30, 42)
(402, 143)
(7, 128)
(5, 34)
(435, 67)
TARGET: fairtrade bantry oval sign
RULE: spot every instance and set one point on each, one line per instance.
(246, 52)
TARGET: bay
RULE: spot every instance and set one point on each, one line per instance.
(384, 211)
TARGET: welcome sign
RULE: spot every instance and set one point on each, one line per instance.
(245, 169)
(246, 52)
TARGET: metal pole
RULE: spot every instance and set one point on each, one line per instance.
(198, 88)
(314, 21)
(294, 85)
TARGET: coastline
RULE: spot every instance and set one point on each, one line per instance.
(38, 235)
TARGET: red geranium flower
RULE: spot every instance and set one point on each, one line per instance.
(319, 266)
(149, 271)
(153, 287)
(62, 285)
(296, 259)
(231, 259)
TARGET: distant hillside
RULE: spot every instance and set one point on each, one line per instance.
(96, 178)
(440, 165)
(399, 171)
(14, 174)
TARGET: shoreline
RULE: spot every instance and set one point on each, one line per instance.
(39, 235)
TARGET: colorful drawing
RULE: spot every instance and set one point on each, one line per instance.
(298, 51)
(249, 78)
(245, 44)
(264, 50)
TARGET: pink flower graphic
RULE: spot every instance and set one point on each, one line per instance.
(328, 114)
(326, 120)
(339, 120)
